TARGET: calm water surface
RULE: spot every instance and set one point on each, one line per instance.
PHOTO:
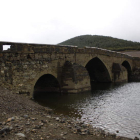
(108, 106)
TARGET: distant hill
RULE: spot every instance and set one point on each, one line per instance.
(105, 42)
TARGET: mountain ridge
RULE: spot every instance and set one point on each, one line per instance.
(105, 42)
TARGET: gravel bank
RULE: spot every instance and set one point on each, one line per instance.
(21, 118)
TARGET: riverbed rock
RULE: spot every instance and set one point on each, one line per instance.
(62, 120)
(25, 116)
(57, 118)
(20, 135)
(136, 138)
(37, 127)
(28, 123)
(9, 119)
(78, 129)
(6, 129)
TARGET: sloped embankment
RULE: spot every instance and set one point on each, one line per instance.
(21, 118)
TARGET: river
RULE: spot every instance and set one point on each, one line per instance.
(112, 107)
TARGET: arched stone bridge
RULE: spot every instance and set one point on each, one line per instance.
(29, 68)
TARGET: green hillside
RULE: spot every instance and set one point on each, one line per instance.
(102, 42)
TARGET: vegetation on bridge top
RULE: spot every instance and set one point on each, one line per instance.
(104, 42)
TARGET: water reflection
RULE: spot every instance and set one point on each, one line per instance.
(109, 106)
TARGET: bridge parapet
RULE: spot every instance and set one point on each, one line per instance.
(57, 49)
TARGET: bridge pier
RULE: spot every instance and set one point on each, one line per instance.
(120, 73)
(75, 78)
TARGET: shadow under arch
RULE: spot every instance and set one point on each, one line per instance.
(128, 67)
(46, 84)
(98, 71)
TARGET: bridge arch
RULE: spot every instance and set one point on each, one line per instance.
(47, 83)
(44, 76)
(127, 65)
(98, 71)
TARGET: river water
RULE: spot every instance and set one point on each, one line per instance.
(112, 107)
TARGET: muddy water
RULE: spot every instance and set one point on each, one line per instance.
(115, 108)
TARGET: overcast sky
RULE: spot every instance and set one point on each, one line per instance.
(54, 21)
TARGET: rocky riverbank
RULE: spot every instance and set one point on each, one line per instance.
(21, 118)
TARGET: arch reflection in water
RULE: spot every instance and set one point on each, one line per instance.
(68, 104)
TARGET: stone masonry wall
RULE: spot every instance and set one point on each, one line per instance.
(23, 64)
(75, 78)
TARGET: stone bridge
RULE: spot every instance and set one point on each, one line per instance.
(29, 68)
